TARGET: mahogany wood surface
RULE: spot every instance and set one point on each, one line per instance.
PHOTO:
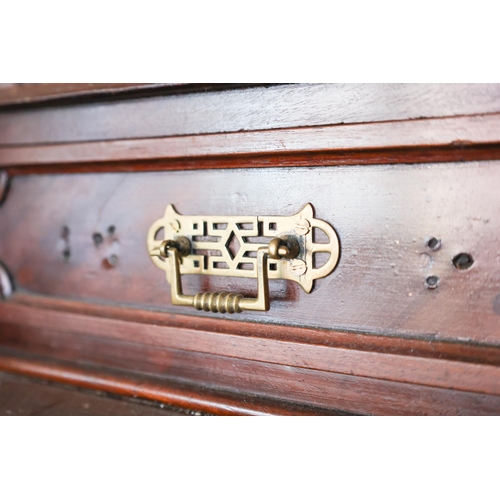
(391, 167)
(452, 133)
(383, 215)
(20, 396)
(390, 156)
(260, 108)
(321, 390)
(194, 398)
(455, 351)
(410, 369)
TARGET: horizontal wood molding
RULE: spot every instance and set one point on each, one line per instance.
(282, 106)
(406, 156)
(246, 379)
(166, 392)
(458, 132)
(22, 95)
(423, 371)
(390, 344)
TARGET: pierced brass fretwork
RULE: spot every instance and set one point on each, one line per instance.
(261, 247)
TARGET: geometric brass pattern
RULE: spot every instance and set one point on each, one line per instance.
(227, 245)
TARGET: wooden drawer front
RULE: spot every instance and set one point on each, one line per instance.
(52, 227)
(408, 175)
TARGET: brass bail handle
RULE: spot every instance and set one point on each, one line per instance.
(222, 302)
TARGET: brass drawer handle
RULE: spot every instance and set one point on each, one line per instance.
(220, 301)
(214, 245)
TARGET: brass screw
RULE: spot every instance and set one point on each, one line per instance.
(297, 267)
(302, 227)
(175, 225)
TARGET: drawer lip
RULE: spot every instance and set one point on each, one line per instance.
(18, 97)
(458, 132)
(443, 365)
(398, 344)
(335, 394)
(275, 107)
(177, 394)
(147, 371)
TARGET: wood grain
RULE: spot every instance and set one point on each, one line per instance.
(432, 372)
(22, 95)
(456, 132)
(391, 167)
(384, 216)
(283, 106)
(191, 398)
(396, 156)
(245, 379)
(404, 346)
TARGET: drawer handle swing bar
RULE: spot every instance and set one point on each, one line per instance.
(223, 246)
(220, 301)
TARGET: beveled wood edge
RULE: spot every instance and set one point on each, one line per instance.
(406, 345)
(272, 107)
(432, 372)
(161, 391)
(29, 93)
(381, 158)
(244, 379)
(33, 95)
(430, 133)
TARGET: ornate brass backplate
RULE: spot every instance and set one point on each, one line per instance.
(229, 245)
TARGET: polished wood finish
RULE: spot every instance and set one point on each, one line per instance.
(384, 217)
(429, 134)
(407, 174)
(454, 351)
(261, 108)
(410, 369)
(395, 156)
(248, 381)
(173, 393)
